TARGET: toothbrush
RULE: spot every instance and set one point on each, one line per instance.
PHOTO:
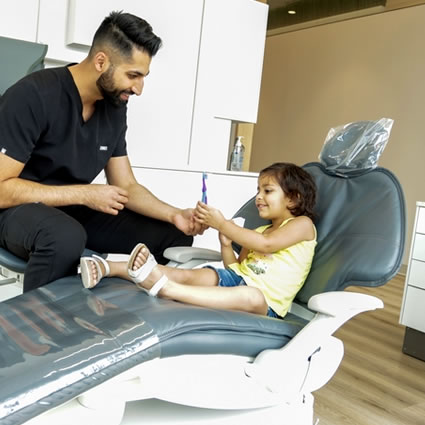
(204, 188)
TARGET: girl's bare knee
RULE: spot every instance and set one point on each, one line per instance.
(257, 301)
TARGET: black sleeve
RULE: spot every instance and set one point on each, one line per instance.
(22, 119)
(121, 146)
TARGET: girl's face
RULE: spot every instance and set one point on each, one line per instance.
(271, 201)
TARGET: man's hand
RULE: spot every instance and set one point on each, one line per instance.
(184, 220)
(106, 198)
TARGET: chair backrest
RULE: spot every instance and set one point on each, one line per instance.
(17, 59)
(360, 230)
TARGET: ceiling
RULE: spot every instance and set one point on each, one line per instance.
(311, 12)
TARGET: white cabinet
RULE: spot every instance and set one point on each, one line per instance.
(413, 305)
(229, 76)
(53, 24)
(18, 19)
(206, 75)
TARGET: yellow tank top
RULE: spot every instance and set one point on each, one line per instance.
(279, 275)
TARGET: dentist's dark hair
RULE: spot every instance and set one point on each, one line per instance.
(297, 184)
(120, 32)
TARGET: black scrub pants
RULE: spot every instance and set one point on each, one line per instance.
(53, 239)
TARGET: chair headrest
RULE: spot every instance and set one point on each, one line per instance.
(355, 147)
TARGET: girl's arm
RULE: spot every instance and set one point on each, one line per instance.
(227, 254)
(297, 230)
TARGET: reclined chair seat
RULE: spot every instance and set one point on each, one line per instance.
(67, 338)
(90, 337)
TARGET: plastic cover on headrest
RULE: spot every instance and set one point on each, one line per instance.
(355, 147)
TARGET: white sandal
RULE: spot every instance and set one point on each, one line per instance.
(86, 270)
(139, 275)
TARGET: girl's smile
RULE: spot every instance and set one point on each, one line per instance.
(271, 200)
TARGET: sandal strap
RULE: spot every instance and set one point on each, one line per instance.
(105, 265)
(159, 284)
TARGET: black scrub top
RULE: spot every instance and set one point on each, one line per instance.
(41, 125)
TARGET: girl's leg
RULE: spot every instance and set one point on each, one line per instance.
(201, 277)
(241, 298)
(206, 293)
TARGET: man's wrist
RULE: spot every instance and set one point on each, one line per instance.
(173, 214)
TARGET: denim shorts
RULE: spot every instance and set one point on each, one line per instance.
(228, 278)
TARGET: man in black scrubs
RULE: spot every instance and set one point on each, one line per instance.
(59, 128)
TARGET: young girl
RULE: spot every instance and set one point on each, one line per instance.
(270, 270)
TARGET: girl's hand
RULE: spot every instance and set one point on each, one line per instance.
(208, 216)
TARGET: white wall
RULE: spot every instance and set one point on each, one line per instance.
(361, 69)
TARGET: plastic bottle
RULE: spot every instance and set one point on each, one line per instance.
(237, 155)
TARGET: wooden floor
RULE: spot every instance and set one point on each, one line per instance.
(376, 383)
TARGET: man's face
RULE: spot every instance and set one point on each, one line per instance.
(121, 81)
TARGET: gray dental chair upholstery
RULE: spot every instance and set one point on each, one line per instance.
(361, 233)
(17, 59)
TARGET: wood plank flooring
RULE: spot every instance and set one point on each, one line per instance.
(376, 383)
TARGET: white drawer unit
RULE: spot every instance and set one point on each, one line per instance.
(414, 316)
(418, 252)
(420, 225)
(417, 274)
(412, 313)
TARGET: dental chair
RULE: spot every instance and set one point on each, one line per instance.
(19, 58)
(72, 355)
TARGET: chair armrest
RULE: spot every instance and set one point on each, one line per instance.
(183, 254)
(341, 303)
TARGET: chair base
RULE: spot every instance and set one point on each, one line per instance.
(158, 412)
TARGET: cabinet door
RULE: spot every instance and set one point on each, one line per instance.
(53, 25)
(229, 77)
(18, 19)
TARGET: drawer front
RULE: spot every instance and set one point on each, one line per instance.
(414, 311)
(419, 247)
(417, 274)
(420, 226)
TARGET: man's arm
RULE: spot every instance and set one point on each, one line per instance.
(141, 200)
(16, 191)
